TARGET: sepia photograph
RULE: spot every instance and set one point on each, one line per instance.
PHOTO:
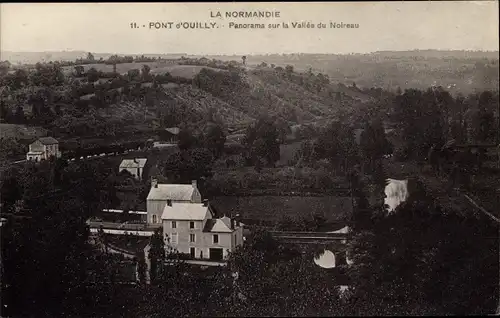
(250, 159)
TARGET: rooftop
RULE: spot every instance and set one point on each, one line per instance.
(173, 130)
(48, 140)
(133, 163)
(218, 225)
(185, 211)
(175, 192)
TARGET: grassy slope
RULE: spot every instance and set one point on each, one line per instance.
(266, 93)
(20, 131)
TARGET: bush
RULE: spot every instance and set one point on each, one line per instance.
(401, 153)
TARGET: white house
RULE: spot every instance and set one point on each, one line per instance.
(134, 166)
(43, 149)
(161, 193)
(190, 228)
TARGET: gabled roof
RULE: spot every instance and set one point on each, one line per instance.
(185, 211)
(175, 192)
(217, 225)
(87, 97)
(48, 140)
(173, 130)
(133, 163)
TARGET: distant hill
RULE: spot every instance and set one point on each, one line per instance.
(34, 57)
(458, 71)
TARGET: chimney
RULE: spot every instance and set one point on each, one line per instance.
(169, 202)
(194, 183)
(232, 224)
(154, 183)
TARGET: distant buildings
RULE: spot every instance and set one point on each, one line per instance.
(43, 149)
(134, 166)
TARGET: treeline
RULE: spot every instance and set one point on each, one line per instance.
(218, 64)
(75, 150)
(433, 117)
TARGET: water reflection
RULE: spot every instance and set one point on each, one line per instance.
(325, 260)
(396, 191)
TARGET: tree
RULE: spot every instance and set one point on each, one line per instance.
(10, 190)
(133, 74)
(214, 140)
(90, 56)
(19, 115)
(5, 112)
(275, 280)
(186, 140)
(262, 141)
(283, 129)
(48, 246)
(92, 75)
(156, 255)
(4, 67)
(336, 143)
(193, 164)
(145, 72)
(244, 59)
(79, 70)
(405, 260)
(422, 117)
(373, 143)
(362, 213)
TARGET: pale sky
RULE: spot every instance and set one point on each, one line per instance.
(105, 27)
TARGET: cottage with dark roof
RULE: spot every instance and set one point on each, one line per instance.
(134, 166)
(43, 149)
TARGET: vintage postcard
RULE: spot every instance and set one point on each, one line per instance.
(249, 159)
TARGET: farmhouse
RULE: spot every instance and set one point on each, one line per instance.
(190, 228)
(160, 194)
(43, 149)
(134, 166)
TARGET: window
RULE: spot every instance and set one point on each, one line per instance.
(174, 238)
(191, 225)
(192, 238)
(216, 238)
(235, 239)
(154, 218)
(174, 224)
(192, 251)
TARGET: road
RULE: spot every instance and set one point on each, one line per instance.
(91, 157)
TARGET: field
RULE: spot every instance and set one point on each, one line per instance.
(20, 131)
(184, 71)
(273, 208)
